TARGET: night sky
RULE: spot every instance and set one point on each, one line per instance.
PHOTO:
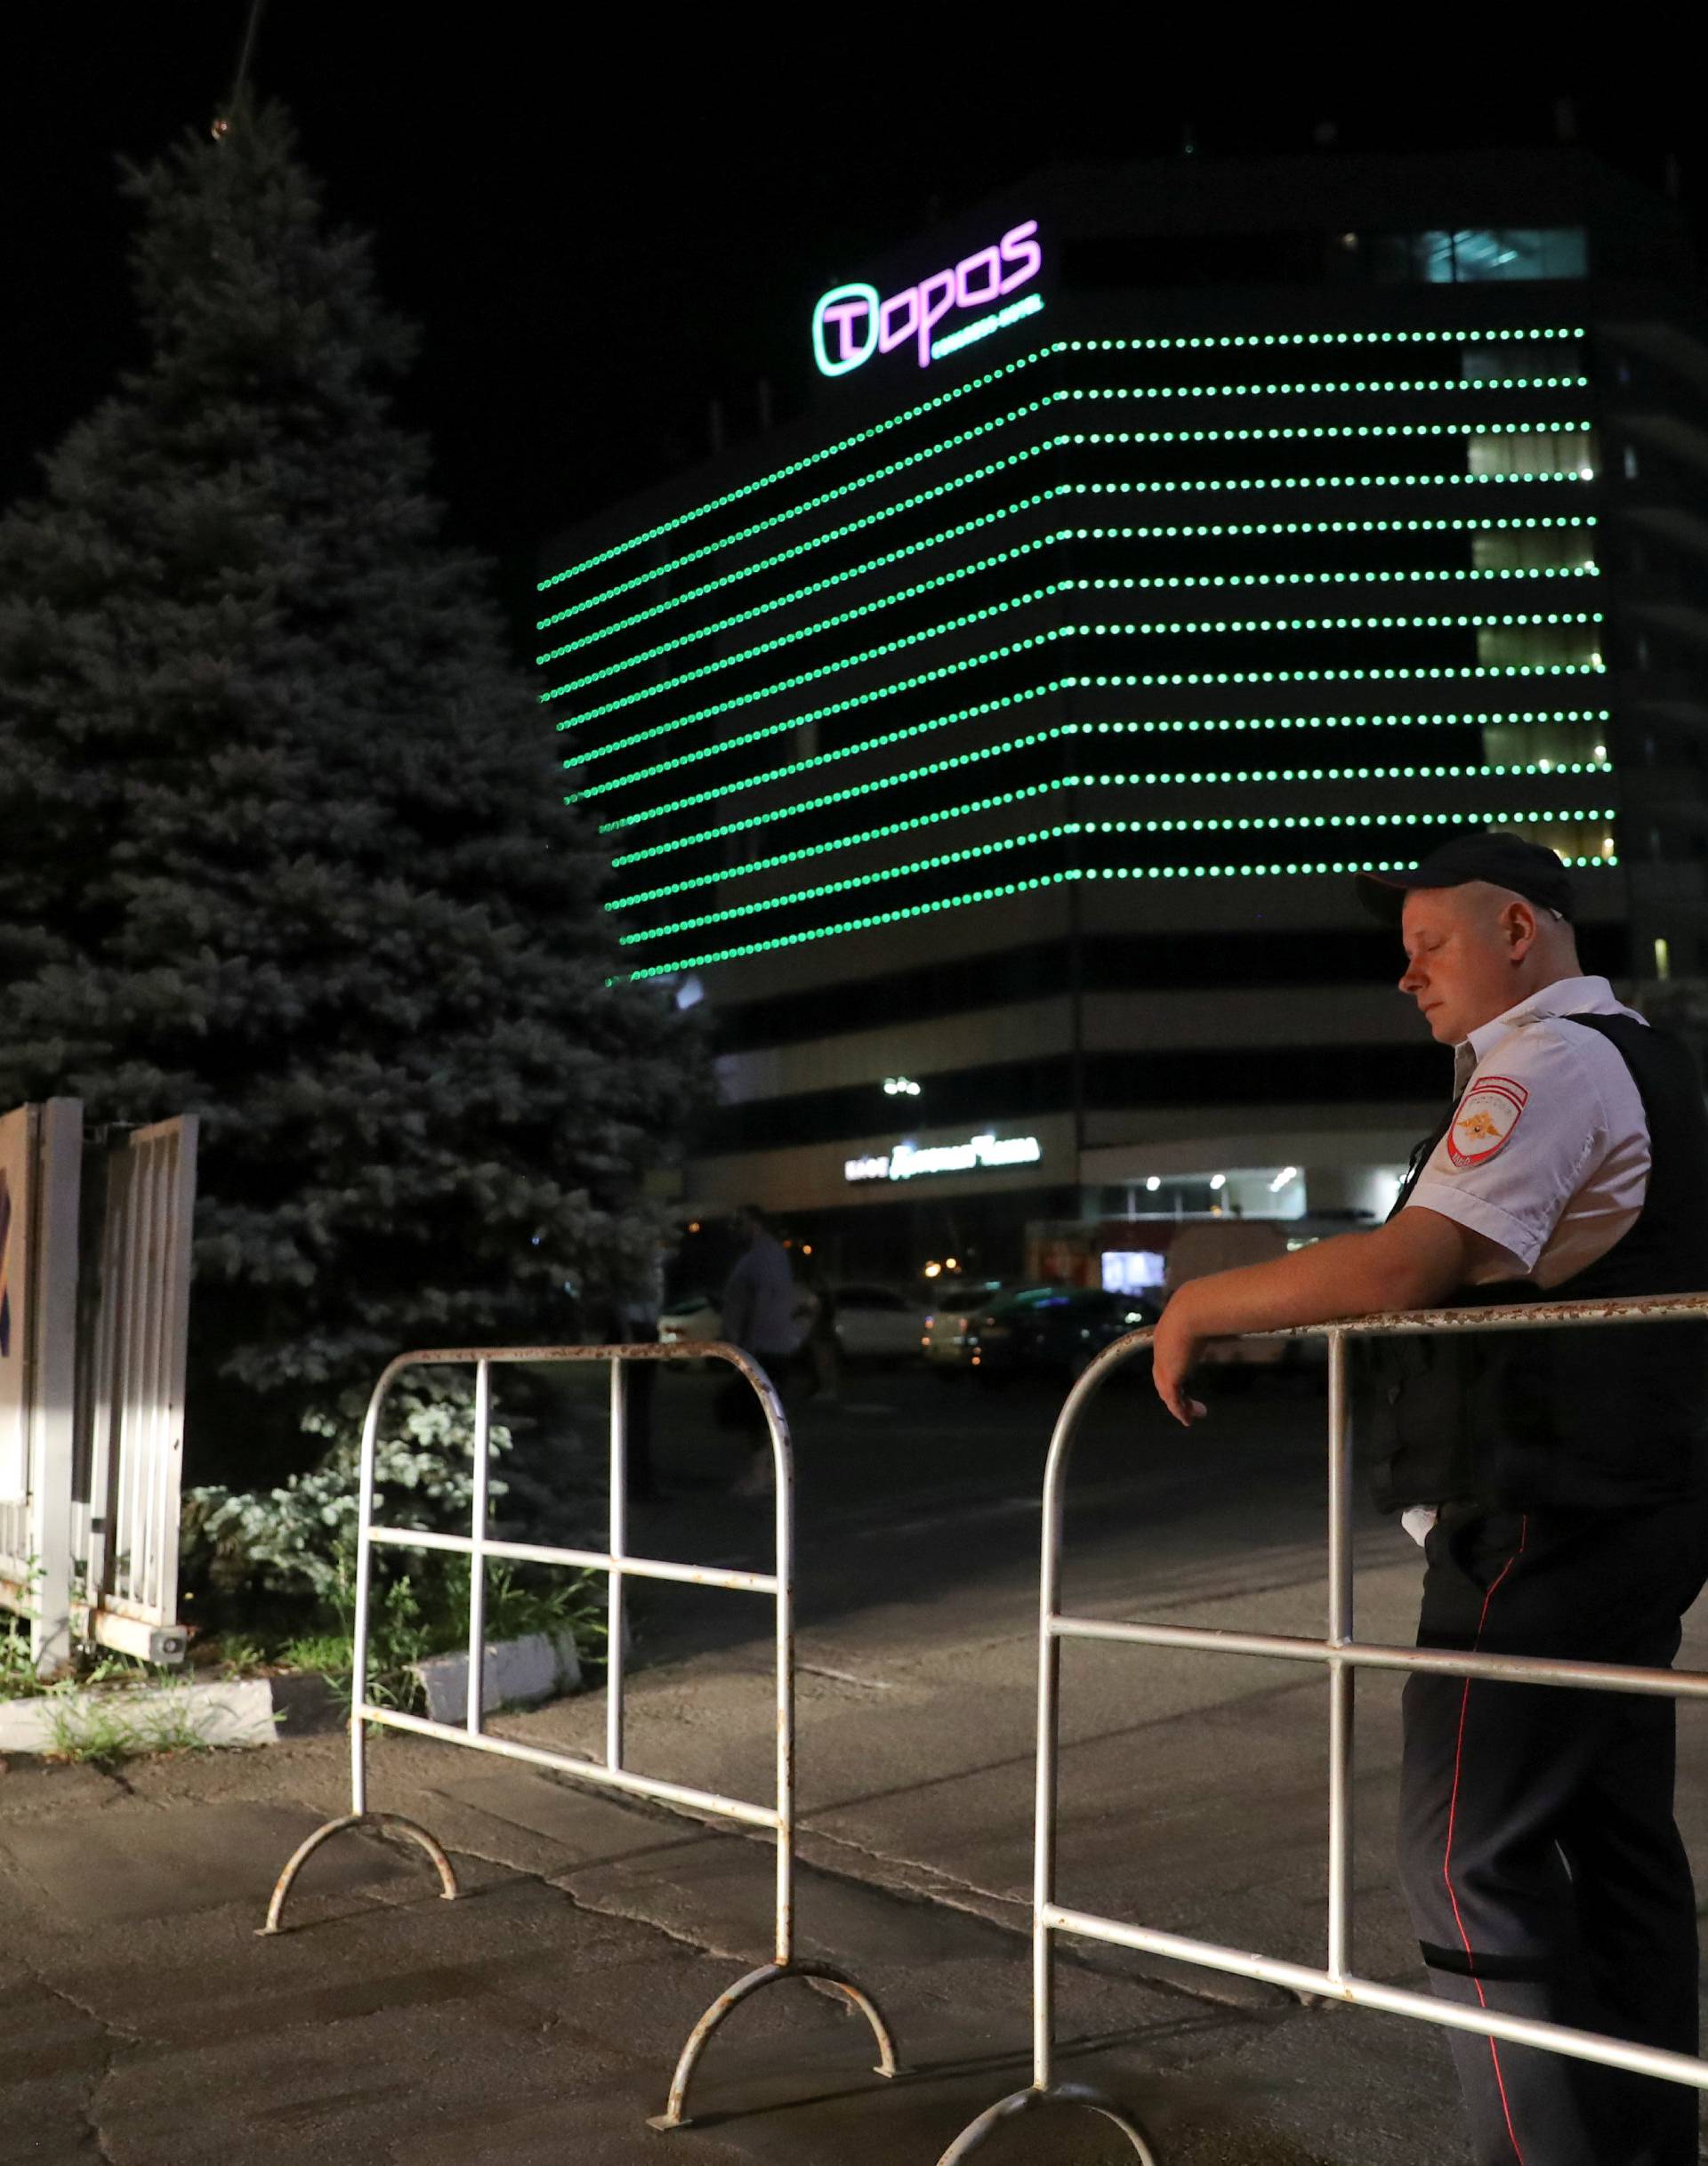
(601, 234)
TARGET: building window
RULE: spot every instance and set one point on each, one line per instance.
(1539, 646)
(1477, 256)
(1553, 548)
(1534, 451)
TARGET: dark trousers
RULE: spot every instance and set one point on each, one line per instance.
(1541, 1863)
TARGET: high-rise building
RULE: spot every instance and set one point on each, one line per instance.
(990, 749)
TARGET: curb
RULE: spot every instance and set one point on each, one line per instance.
(151, 1719)
(252, 1711)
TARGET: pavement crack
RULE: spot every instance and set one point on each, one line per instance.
(561, 1885)
(115, 2039)
(940, 1882)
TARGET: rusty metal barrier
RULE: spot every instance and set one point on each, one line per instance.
(619, 1566)
(1341, 1655)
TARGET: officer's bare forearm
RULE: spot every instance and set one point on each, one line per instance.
(1400, 1265)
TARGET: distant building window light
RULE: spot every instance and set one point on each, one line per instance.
(1132, 1270)
(1473, 255)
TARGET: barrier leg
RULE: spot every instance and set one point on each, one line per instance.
(673, 2116)
(376, 1824)
(1057, 2094)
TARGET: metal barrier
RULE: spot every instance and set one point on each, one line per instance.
(1341, 1655)
(619, 1566)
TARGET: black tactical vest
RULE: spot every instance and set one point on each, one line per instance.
(1614, 1416)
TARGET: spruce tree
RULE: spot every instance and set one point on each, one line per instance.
(284, 842)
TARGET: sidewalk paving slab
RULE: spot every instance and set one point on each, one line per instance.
(539, 2019)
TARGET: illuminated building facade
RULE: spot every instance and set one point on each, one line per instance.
(1163, 544)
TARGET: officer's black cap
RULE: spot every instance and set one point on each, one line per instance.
(1504, 860)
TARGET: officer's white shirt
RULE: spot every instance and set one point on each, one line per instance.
(1548, 1154)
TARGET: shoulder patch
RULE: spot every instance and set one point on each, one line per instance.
(1490, 1110)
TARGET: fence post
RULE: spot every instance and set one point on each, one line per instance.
(54, 1328)
(1341, 1676)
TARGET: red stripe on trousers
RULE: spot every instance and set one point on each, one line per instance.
(1453, 1807)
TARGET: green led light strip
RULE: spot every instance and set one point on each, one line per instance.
(828, 797)
(1184, 778)
(795, 549)
(789, 684)
(831, 496)
(1017, 458)
(1308, 481)
(815, 586)
(640, 655)
(1025, 887)
(1329, 431)
(721, 875)
(1002, 608)
(1003, 843)
(982, 326)
(1314, 338)
(1024, 794)
(1039, 406)
(895, 737)
(1433, 673)
(1027, 361)
(1473, 525)
(796, 722)
(801, 766)
(802, 632)
(1478, 717)
(1327, 384)
(1475, 671)
(979, 473)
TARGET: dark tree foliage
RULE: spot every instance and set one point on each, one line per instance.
(284, 842)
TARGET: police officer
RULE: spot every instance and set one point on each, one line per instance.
(1556, 1479)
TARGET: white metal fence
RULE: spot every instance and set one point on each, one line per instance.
(619, 1565)
(129, 1478)
(89, 1539)
(1341, 1655)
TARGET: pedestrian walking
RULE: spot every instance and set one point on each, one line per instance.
(760, 1305)
(1555, 1481)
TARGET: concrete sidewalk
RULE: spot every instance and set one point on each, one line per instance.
(538, 2020)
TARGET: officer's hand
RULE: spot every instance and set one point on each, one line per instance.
(1173, 1350)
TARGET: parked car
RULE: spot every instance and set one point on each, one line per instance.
(943, 1341)
(873, 1323)
(1054, 1331)
(877, 1323)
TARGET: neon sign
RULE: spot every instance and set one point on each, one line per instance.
(851, 323)
(907, 1161)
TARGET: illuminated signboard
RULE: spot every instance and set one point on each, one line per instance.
(851, 323)
(907, 1161)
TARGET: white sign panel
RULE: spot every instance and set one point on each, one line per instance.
(908, 1161)
(15, 1318)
